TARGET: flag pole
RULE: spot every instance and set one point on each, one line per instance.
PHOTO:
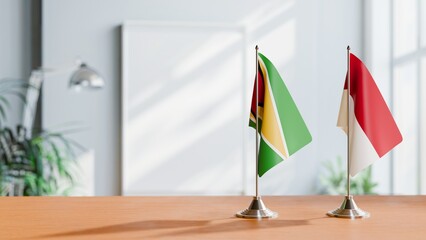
(257, 208)
(257, 120)
(348, 208)
(348, 180)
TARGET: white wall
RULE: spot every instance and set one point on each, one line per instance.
(15, 47)
(306, 40)
(340, 23)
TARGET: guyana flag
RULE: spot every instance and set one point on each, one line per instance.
(281, 127)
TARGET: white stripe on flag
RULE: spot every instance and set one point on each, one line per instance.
(363, 153)
(342, 119)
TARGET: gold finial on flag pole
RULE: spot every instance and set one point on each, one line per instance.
(348, 209)
(257, 208)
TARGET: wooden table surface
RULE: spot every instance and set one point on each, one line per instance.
(300, 217)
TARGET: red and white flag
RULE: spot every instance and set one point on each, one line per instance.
(373, 131)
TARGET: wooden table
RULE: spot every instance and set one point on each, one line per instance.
(301, 217)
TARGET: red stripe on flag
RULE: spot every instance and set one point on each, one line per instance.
(261, 92)
(371, 111)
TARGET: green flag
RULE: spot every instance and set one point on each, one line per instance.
(282, 129)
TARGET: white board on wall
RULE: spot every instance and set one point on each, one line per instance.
(183, 109)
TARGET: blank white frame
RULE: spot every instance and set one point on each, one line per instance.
(140, 26)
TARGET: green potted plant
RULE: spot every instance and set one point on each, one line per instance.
(33, 166)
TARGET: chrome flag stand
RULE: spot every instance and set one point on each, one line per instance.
(348, 209)
(257, 208)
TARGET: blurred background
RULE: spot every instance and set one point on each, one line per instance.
(173, 79)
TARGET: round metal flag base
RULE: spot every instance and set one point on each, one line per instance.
(257, 209)
(348, 209)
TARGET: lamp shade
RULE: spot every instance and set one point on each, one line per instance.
(86, 77)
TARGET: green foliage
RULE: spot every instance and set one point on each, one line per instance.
(334, 181)
(35, 166)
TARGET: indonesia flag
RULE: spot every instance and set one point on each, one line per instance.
(373, 131)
